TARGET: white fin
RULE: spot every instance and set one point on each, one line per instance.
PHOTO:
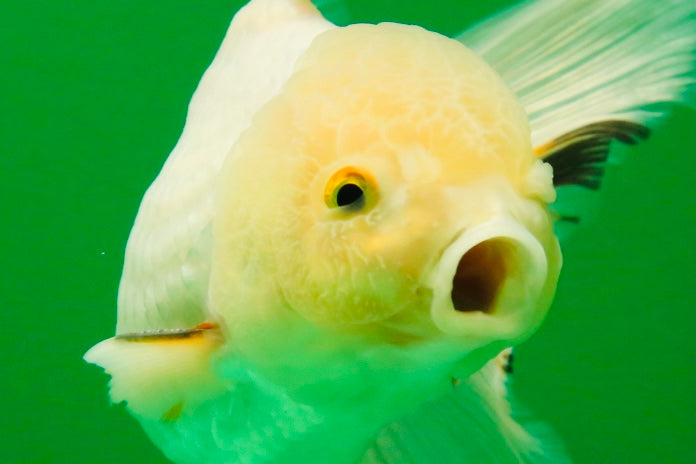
(165, 276)
(576, 62)
(470, 424)
(160, 375)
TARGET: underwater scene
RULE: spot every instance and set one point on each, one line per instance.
(95, 97)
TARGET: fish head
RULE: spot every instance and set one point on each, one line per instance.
(390, 189)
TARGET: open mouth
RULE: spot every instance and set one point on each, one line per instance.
(489, 282)
(479, 276)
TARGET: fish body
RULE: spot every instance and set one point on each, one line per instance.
(354, 229)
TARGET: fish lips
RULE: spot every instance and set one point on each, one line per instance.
(489, 283)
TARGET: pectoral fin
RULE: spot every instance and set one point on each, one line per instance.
(161, 374)
(578, 156)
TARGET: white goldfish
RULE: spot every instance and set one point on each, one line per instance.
(355, 227)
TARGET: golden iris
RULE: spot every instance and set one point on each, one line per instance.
(351, 189)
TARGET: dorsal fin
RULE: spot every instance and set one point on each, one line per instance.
(588, 72)
(167, 261)
(578, 62)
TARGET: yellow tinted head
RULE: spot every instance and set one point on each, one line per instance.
(387, 144)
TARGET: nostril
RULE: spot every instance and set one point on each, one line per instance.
(479, 276)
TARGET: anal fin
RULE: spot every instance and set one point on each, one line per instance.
(473, 422)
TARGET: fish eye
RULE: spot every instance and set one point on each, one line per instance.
(351, 190)
(349, 194)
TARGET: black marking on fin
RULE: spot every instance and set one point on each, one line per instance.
(507, 367)
(578, 157)
(571, 219)
(167, 334)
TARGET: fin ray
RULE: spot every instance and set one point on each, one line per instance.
(578, 62)
(159, 374)
(578, 156)
(472, 423)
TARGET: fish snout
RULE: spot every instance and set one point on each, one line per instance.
(490, 283)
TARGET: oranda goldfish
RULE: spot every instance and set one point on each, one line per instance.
(357, 224)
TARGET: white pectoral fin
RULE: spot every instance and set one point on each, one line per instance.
(472, 423)
(577, 62)
(160, 374)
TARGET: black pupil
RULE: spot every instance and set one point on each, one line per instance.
(348, 194)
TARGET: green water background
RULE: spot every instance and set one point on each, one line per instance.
(94, 96)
